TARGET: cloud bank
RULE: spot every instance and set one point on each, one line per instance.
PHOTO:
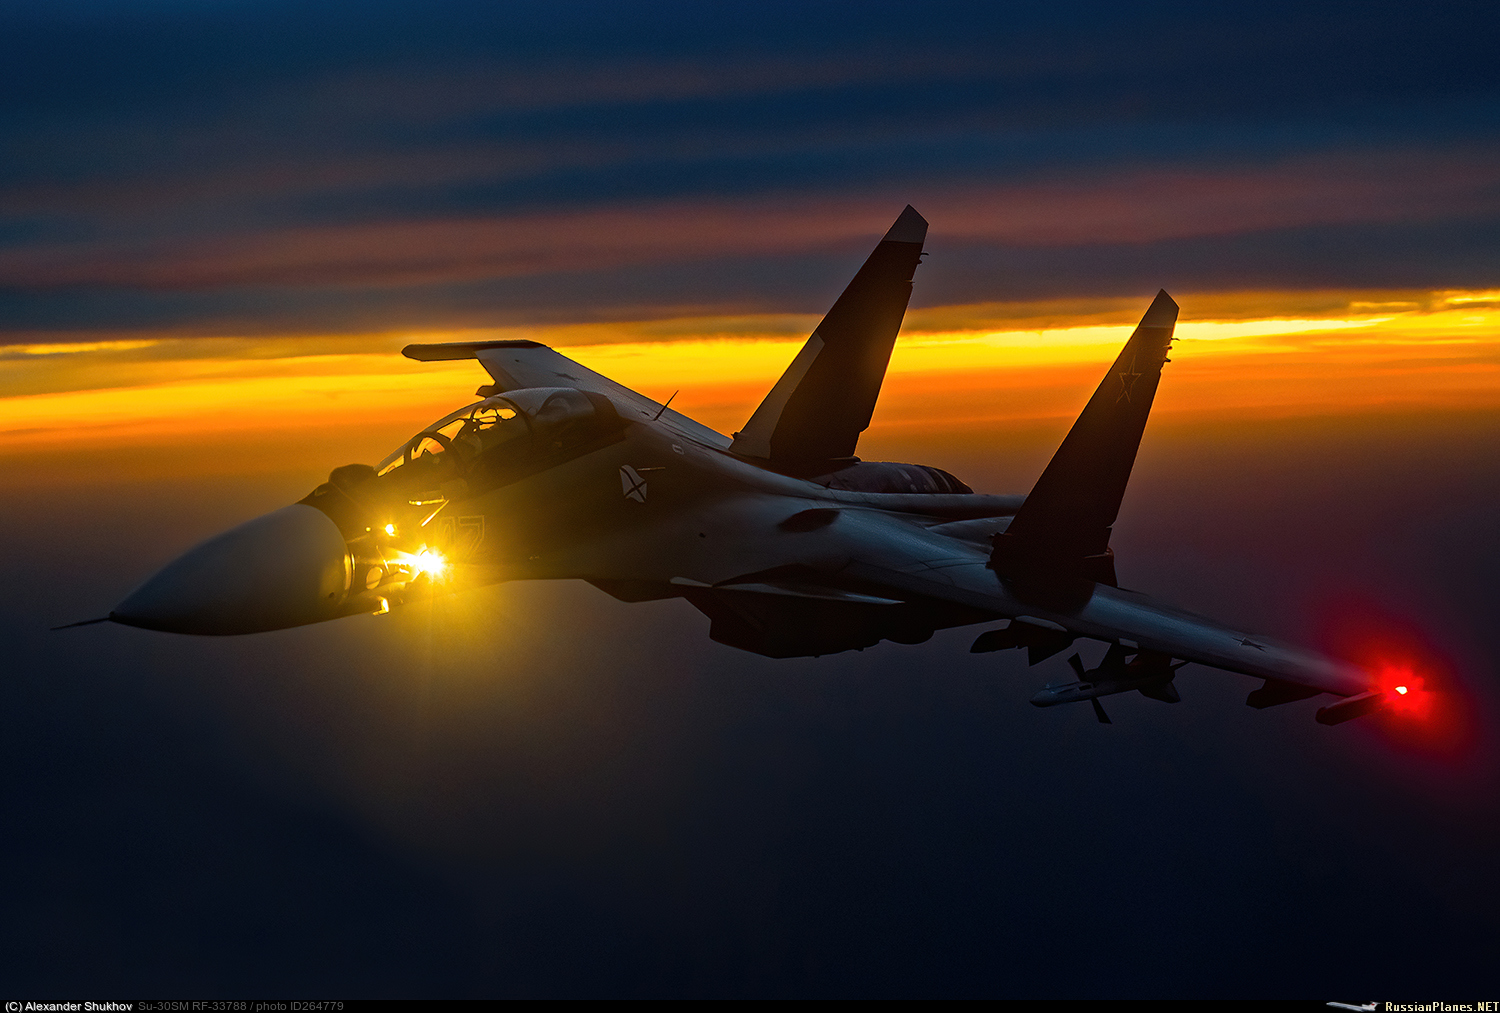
(316, 168)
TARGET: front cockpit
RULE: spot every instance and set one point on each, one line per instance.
(492, 429)
(394, 517)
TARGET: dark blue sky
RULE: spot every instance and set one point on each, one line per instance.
(537, 790)
(148, 146)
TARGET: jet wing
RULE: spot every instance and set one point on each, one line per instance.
(873, 553)
(518, 364)
(1117, 614)
(1079, 608)
(1082, 608)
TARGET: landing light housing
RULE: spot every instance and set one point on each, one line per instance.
(430, 562)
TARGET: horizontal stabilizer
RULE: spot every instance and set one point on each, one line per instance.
(1064, 525)
(823, 402)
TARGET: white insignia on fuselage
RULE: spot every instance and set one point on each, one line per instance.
(632, 484)
(460, 536)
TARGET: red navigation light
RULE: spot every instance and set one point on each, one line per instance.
(1402, 694)
(1405, 691)
(1434, 716)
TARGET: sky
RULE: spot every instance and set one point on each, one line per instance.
(219, 223)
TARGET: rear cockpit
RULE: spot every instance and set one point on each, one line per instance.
(487, 439)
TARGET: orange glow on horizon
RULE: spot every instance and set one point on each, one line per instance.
(954, 367)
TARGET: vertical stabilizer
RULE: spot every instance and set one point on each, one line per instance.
(824, 400)
(1064, 525)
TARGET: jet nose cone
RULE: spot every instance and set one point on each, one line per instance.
(288, 568)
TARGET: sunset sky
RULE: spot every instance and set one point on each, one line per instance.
(221, 220)
(200, 203)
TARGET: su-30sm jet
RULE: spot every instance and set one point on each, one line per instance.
(788, 542)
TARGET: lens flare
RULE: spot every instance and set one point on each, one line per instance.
(424, 562)
(430, 562)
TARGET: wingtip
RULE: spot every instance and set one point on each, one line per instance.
(461, 349)
(910, 227)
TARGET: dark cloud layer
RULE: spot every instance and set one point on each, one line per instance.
(1439, 255)
(146, 134)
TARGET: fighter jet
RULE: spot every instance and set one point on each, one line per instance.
(789, 543)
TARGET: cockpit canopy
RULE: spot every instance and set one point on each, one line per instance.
(507, 428)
